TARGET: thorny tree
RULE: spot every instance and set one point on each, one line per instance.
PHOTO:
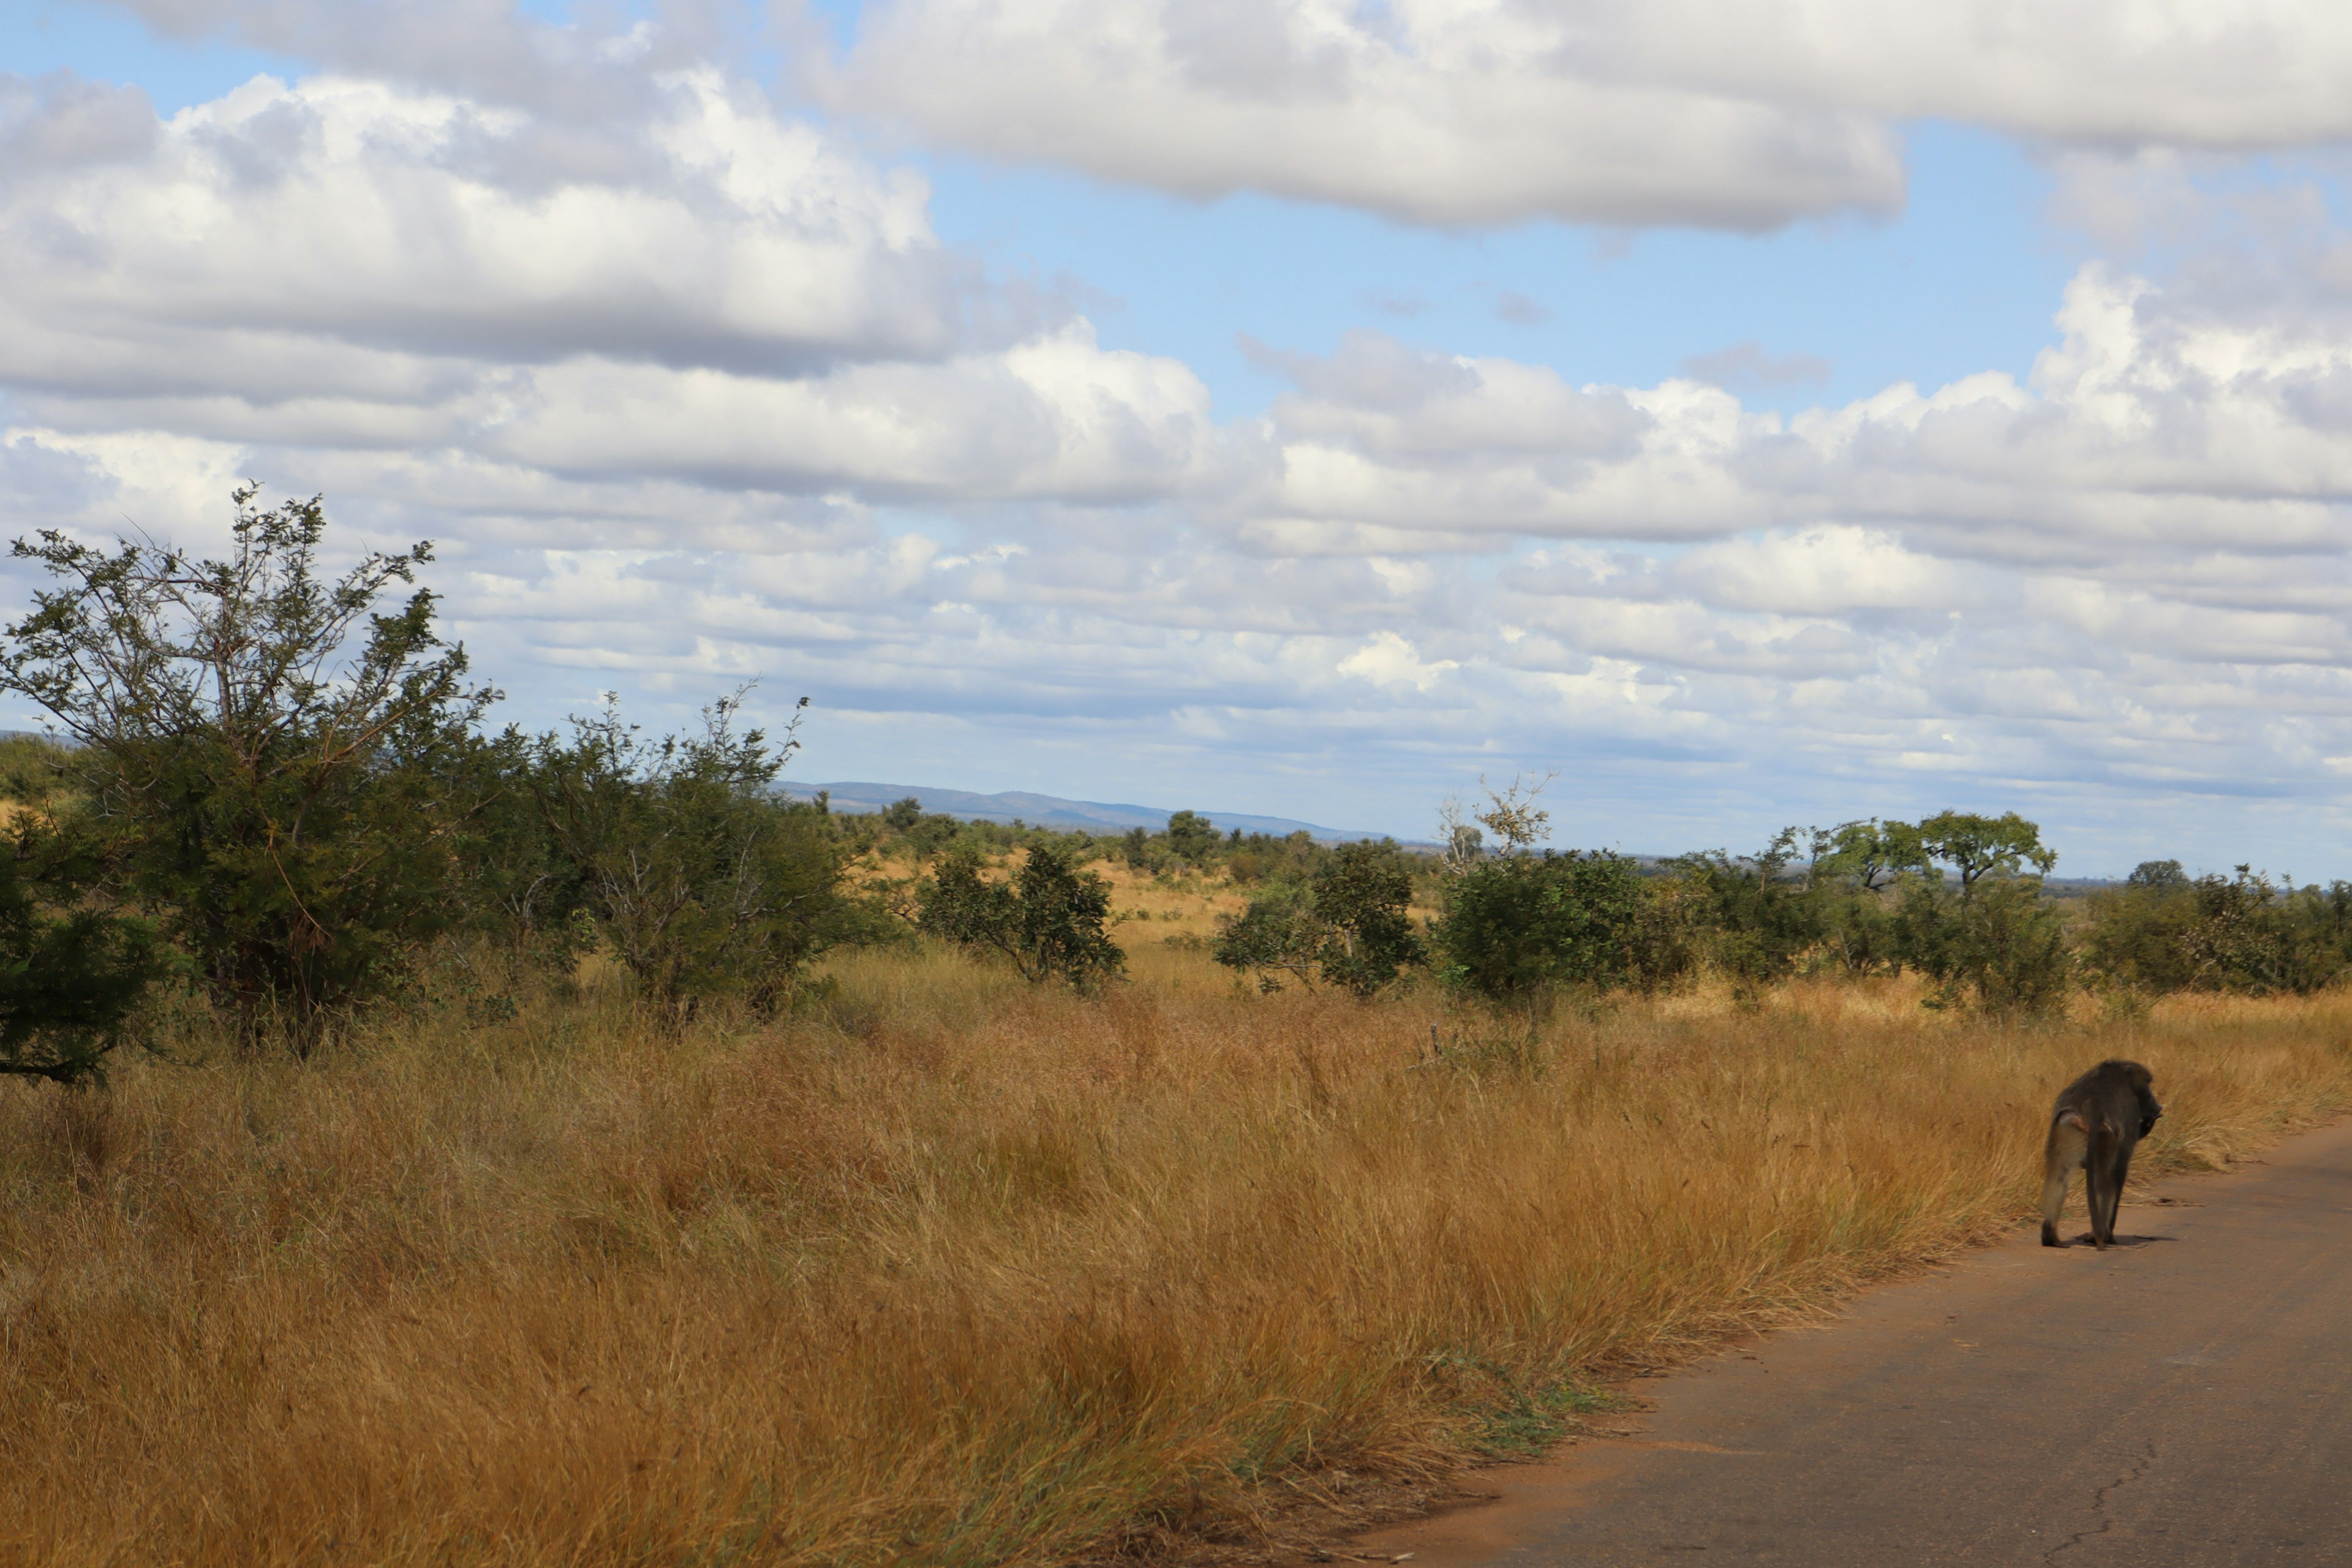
(1512, 815)
(264, 757)
(704, 883)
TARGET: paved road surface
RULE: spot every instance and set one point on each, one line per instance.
(2184, 1400)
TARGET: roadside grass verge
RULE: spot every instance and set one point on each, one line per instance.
(945, 1270)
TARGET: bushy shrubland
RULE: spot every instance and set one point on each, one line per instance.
(2162, 931)
(1761, 919)
(2003, 947)
(1951, 898)
(1276, 940)
(681, 857)
(277, 786)
(283, 780)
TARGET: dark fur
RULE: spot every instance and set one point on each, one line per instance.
(2097, 1121)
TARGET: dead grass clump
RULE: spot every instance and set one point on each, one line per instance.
(951, 1269)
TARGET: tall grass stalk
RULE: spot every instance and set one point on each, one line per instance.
(949, 1270)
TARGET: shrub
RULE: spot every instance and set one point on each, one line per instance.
(1360, 897)
(1520, 927)
(1758, 917)
(2163, 933)
(1048, 921)
(1278, 935)
(2003, 947)
(2136, 938)
(704, 882)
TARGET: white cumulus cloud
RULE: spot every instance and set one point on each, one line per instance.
(1619, 111)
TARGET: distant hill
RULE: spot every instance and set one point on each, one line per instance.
(1052, 811)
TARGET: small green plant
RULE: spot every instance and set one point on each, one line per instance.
(1510, 1415)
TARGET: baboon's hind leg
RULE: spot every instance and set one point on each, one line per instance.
(2053, 1203)
(2061, 1155)
(2099, 1181)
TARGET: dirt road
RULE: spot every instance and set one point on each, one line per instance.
(2183, 1400)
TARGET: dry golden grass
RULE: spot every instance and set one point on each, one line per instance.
(951, 1270)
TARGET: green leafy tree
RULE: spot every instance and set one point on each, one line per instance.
(1857, 865)
(1872, 853)
(1139, 851)
(1193, 838)
(1360, 897)
(1048, 920)
(1997, 943)
(268, 758)
(903, 814)
(705, 883)
(1977, 846)
(1517, 928)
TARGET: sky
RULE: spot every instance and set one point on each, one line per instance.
(1779, 411)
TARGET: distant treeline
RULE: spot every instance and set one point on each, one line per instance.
(279, 794)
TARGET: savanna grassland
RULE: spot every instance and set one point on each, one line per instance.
(939, 1267)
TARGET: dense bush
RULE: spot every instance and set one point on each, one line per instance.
(1760, 917)
(1517, 927)
(702, 881)
(1048, 921)
(72, 974)
(2161, 931)
(2003, 947)
(1349, 926)
(1360, 897)
(1278, 937)
(289, 782)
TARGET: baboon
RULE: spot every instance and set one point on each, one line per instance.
(2098, 1119)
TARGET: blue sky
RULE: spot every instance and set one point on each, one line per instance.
(1296, 408)
(1964, 280)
